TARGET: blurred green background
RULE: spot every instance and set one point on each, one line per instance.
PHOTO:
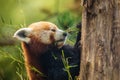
(15, 14)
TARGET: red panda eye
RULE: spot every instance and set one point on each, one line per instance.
(53, 30)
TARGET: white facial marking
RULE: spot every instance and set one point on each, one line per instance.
(59, 35)
(45, 37)
(60, 38)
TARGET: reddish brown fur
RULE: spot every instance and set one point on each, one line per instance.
(42, 26)
(34, 49)
(31, 53)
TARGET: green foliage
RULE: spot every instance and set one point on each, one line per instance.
(20, 72)
(67, 66)
(20, 65)
(13, 63)
(65, 20)
(36, 70)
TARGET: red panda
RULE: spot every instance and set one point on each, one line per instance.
(36, 40)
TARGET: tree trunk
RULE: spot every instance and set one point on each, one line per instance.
(100, 58)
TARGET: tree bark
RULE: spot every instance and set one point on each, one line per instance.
(100, 58)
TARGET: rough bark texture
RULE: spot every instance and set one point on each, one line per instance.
(100, 59)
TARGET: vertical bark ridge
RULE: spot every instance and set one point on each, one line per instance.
(100, 59)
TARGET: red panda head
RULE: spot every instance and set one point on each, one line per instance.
(42, 32)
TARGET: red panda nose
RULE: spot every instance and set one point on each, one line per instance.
(64, 34)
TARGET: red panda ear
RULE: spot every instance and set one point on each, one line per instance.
(22, 34)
